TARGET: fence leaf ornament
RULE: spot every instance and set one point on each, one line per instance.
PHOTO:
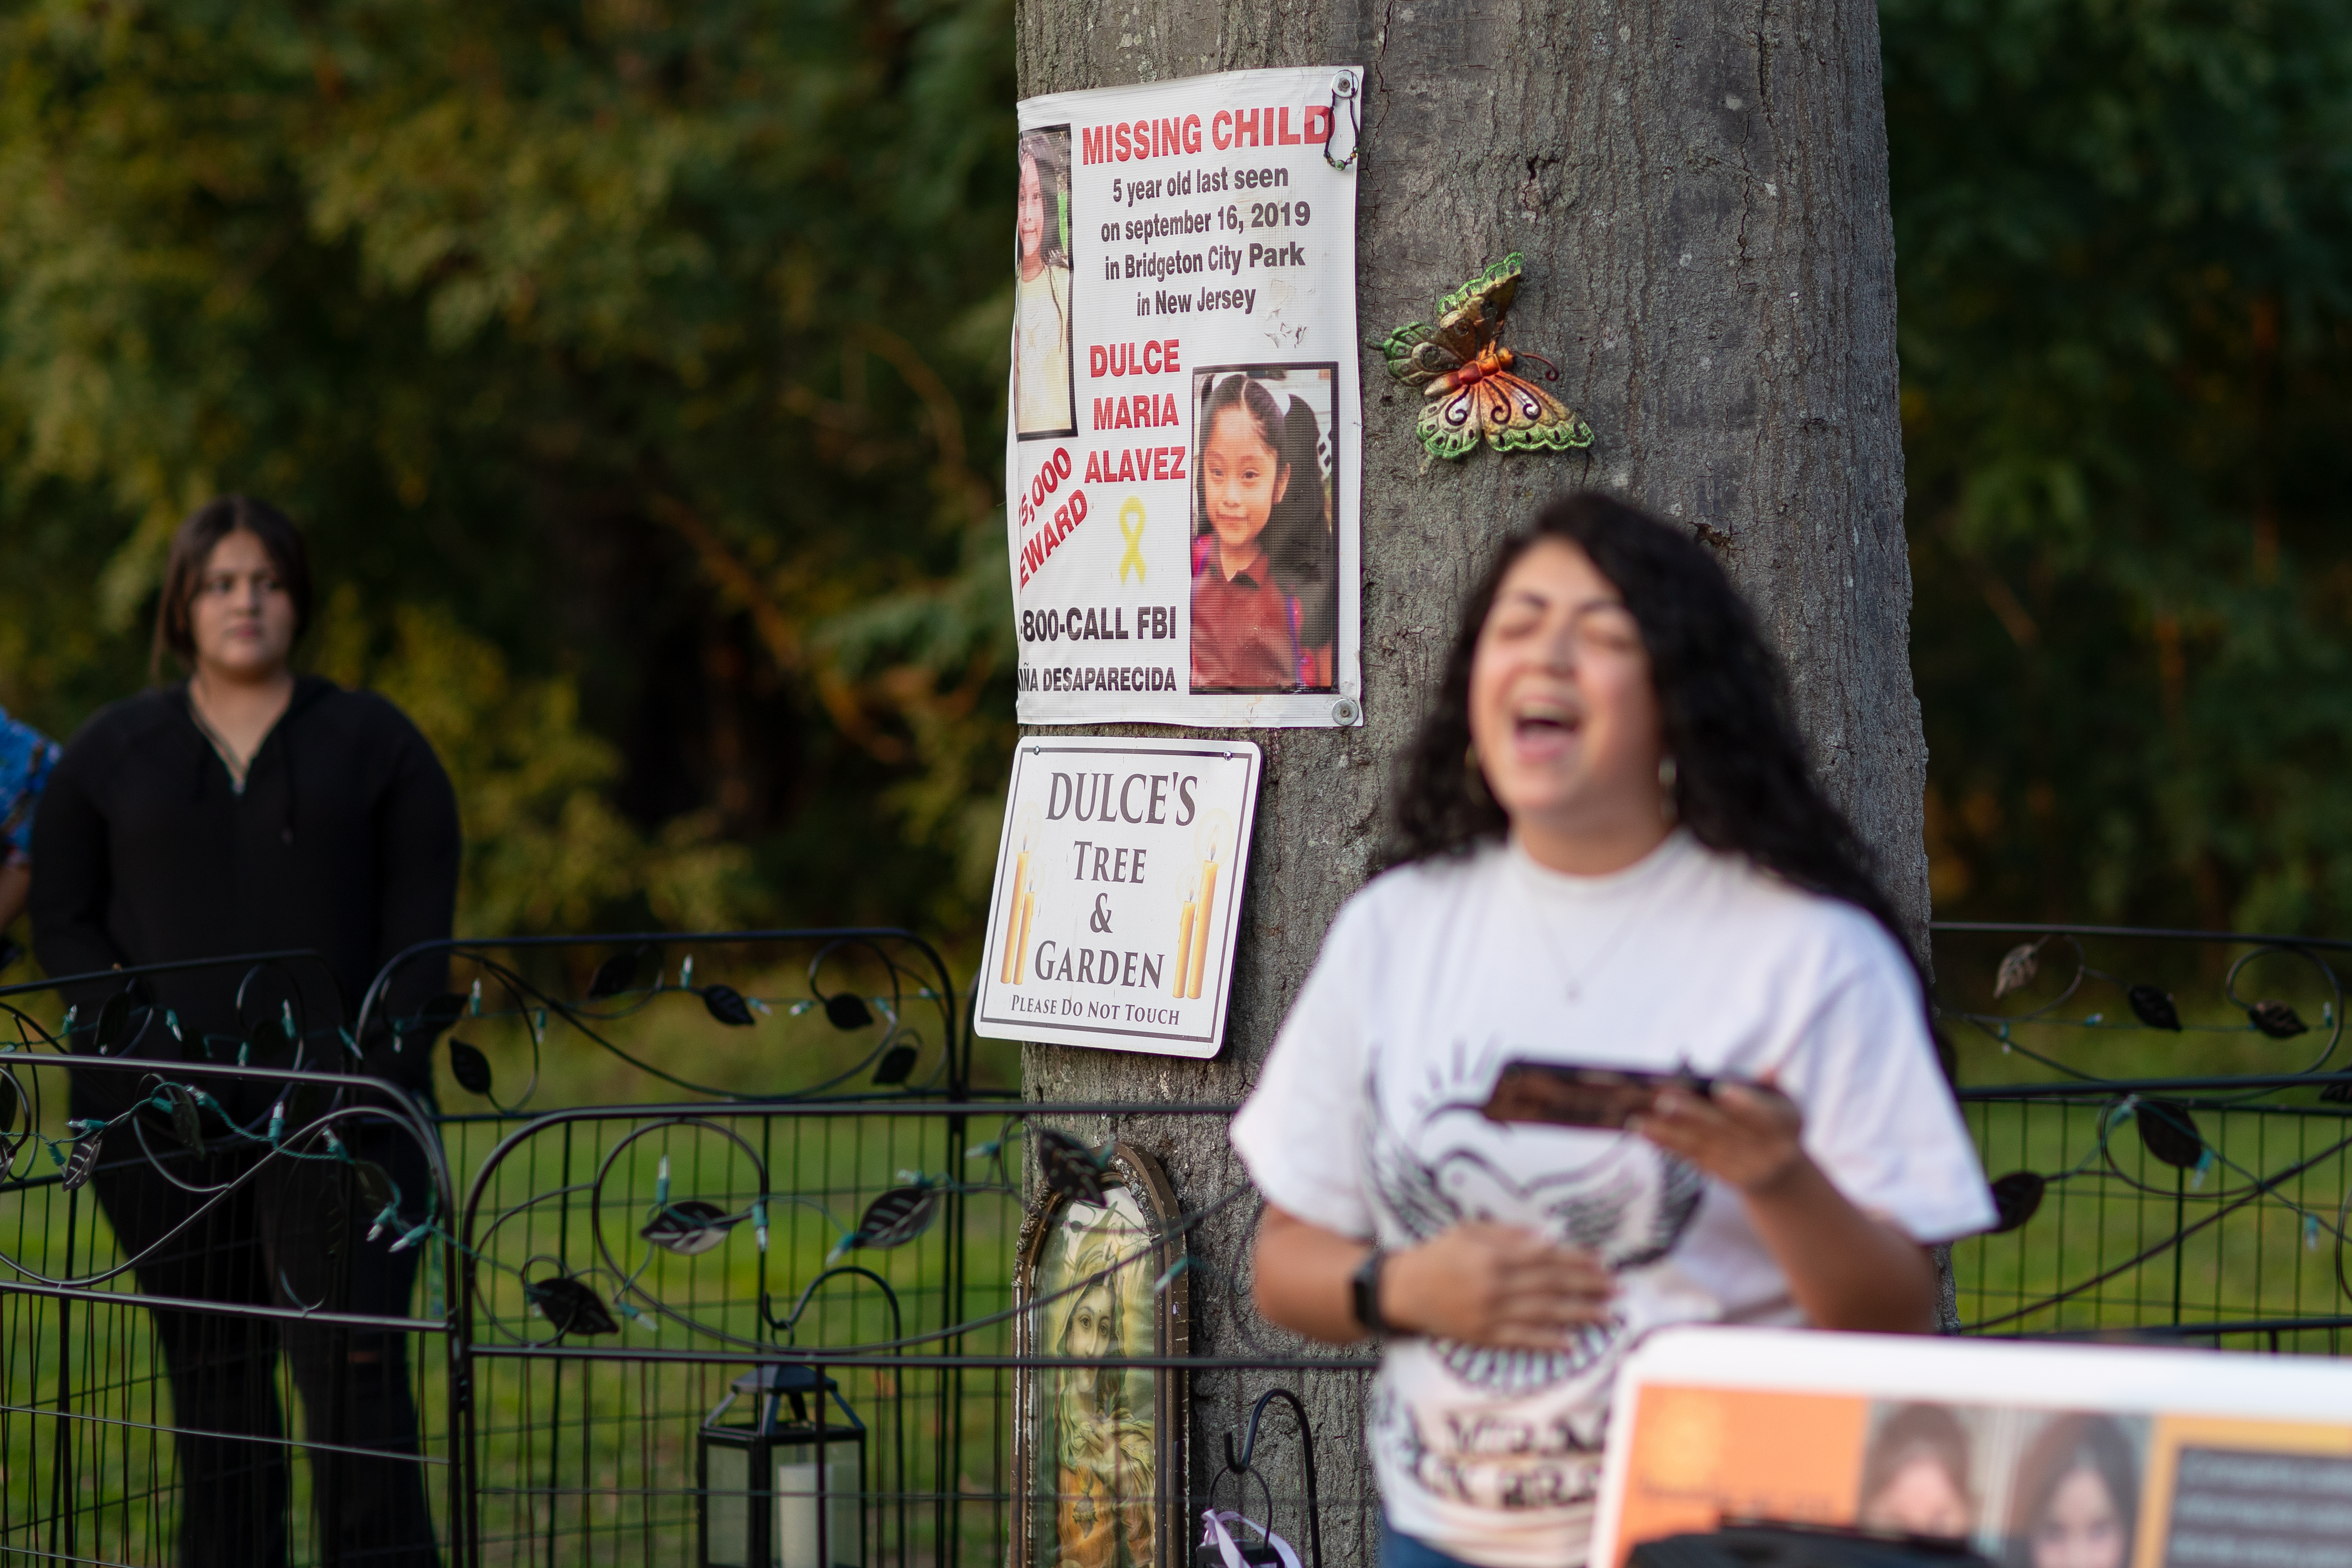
(2018, 968)
(2153, 1008)
(187, 1122)
(470, 1067)
(2170, 1132)
(725, 1004)
(2276, 1020)
(568, 1306)
(1072, 1169)
(81, 1161)
(690, 1227)
(614, 975)
(2015, 1197)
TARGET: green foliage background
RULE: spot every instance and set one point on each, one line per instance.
(625, 362)
(2126, 239)
(637, 366)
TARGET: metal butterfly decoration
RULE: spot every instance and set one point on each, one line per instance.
(1465, 373)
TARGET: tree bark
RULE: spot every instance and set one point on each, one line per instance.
(1700, 191)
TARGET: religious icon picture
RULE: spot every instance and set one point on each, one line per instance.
(1265, 561)
(1042, 321)
(1098, 1448)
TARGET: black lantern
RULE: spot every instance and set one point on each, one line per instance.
(787, 1490)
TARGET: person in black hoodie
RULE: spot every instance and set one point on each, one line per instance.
(243, 810)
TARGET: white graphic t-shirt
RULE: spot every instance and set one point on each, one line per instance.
(1367, 1121)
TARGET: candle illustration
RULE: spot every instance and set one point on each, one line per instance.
(1012, 916)
(1021, 944)
(1184, 924)
(1209, 844)
(1024, 895)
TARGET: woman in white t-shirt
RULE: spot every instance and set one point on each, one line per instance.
(1610, 851)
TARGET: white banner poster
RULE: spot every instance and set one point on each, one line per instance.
(1118, 881)
(1186, 433)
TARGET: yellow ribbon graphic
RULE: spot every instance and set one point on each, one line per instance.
(1134, 538)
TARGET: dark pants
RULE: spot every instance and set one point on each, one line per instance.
(294, 1235)
(1406, 1552)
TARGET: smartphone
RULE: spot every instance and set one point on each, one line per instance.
(1566, 1096)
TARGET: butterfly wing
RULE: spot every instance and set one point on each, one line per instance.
(1467, 319)
(1451, 424)
(1517, 415)
(1416, 355)
(1471, 316)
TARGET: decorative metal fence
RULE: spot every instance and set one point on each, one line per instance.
(712, 1249)
(193, 1309)
(2167, 1117)
(783, 1325)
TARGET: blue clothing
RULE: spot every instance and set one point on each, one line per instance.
(26, 758)
(1406, 1552)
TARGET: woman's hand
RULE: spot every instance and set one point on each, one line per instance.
(1847, 1270)
(1747, 1136)
(1481, 1284)
(1489, 1284)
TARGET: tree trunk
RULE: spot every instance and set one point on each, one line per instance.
(1700, 189)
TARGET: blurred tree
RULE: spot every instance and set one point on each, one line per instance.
(2126, 239)
(620, 358)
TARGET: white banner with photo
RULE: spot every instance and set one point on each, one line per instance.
(1185, 441)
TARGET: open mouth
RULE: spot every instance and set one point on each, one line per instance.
(1542, 725)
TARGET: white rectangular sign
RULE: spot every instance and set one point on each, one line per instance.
(1185, 442)
(2186, 1456)
(1118, 882)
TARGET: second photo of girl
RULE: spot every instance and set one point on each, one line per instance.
(1265, 561)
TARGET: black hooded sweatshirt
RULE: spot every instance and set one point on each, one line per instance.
(343, 841)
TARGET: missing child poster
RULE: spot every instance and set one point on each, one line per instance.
(1185, 438)
(1118, 881)
(2033, 1455)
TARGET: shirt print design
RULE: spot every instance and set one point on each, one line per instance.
(1442, 1163)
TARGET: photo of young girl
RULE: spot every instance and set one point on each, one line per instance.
(2075, 1500)
(1041, 309)
(1916, 1474)
(1264, 560)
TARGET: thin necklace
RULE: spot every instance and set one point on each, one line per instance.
(1576, 975)
(236, 765)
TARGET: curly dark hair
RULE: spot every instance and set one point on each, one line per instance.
(1741, 779)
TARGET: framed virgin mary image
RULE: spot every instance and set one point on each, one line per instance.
(1098, 1447)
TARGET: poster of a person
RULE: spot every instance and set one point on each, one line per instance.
(1178, 239)
(1265, 559)
(1917, 1475)
(1041, 402)
(2075, 1500)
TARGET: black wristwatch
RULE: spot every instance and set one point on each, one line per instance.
(1365, 1287)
